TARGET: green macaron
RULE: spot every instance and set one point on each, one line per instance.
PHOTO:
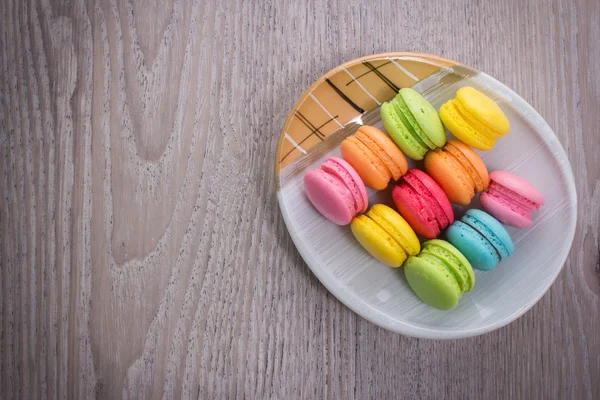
(440, 274)
(413, 123)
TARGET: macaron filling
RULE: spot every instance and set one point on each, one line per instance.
(380, 153)
(466, 164)
(488, 234)
(428, 201)
(410, 122)
(520, 203)
(332, 168)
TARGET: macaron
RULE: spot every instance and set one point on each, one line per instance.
(374, 156)
(422, 203)
(481, 238)
(413, 123)
(336, 191)
(440, 274)
(385, 235)
(458, 170)
(511, 199)
(474, 118)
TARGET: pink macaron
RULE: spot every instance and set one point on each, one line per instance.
(423, 204)
(336, 191)
(511, 199)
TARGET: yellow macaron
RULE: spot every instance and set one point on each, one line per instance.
(385, 235)
(474, 118)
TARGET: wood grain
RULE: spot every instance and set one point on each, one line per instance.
(143, 254)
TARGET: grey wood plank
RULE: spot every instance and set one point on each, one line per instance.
(142, 250)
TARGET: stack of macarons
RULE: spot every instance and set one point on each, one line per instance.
(439, 271)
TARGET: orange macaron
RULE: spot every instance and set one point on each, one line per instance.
(374, 156)
(458, 170)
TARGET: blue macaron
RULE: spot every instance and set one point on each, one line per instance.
(481, 238)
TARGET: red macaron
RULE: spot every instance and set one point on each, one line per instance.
(423, 204)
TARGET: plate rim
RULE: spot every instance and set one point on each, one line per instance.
(363, 309)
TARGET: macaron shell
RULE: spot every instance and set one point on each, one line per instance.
(329, 196)
(521, 203)
(480, 253)
(431, 195)
(493, 226)
(377, 242)
(432, 282)
(437, 193)
(384, 147)
(484, 109)
(368, 166)
(350, 177)
(409, 120)
(454, 259)
(460, 128)
(476, 123)
(426, 116)
(418, 215)
(400, 134)
(518, 185)
(504, 211)
(397, 226)
(471, 162)
(450, 176)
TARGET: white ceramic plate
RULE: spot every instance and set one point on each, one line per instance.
(350, 95)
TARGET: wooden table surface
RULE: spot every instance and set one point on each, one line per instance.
(143, 254)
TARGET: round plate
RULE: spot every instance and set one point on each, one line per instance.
(350, 95)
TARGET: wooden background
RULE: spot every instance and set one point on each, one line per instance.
(143, 254)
